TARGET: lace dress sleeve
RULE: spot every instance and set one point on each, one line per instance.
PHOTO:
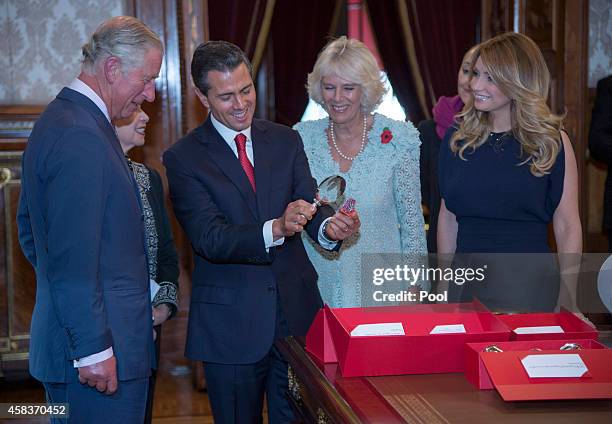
(407, 194)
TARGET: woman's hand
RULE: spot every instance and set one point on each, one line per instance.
(342, 226)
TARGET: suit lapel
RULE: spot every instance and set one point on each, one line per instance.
(107, 129)
(263, 168)
(103, 124)
(228, 163)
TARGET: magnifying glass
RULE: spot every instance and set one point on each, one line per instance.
(330, 190)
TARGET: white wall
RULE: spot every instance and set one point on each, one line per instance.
(40, 45)
(600, 40)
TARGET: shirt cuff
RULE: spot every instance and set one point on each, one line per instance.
(326, 243)
(93, 359)
(268, 236)
(154, 288)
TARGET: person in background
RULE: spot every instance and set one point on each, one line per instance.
(80, 226)
(161, 253)
(377, 156)
(242, 190)
(600, 144)
(432, 133)
(504, 174)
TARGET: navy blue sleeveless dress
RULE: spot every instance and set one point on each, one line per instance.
(503, 212)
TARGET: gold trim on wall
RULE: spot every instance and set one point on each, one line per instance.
(262, 38)
(5, 177)
(338, 8)
(411, 55)
(19, 356)
(9, 162)
(18, 121)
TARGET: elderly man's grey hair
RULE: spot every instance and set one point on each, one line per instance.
(124, 37)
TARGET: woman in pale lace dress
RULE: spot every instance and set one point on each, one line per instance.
(379, 159)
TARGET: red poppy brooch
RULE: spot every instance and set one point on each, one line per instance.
(386, 136)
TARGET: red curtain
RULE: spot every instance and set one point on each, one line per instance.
(387, 27)
(441, 32)
(446, 30)
(299, 31)
(236, 21)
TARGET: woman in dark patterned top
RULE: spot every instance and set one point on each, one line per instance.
(162, 257)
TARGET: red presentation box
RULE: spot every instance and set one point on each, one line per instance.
(417, 352)
(476, 372)
(573, 327)
(513, 383)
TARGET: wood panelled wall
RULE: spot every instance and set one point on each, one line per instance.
(17, 279)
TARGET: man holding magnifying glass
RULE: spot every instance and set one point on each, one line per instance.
(241, 189)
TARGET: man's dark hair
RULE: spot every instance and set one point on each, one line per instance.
(221, 56)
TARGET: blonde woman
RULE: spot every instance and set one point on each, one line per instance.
(378, 157)
(505, 174)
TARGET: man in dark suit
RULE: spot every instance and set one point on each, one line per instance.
(80, 225)
(600, 143)
(242, 191)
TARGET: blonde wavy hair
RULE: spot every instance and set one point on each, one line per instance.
(517, 67)
(351, 60)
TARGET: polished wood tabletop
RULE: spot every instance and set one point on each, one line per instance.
(322, 395)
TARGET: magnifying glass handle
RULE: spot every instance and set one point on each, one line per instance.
(317, 201)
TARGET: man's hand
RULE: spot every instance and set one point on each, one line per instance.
(296, 215)
(341, 226)
(102, 376)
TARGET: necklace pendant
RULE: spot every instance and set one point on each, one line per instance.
(496, 141)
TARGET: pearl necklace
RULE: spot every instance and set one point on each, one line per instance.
(363, 139)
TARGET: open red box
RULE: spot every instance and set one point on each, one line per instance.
(573, 327)
(513, 383)
(416, 352)
(476, 372)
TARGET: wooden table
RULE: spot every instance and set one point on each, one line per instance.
(321, 395)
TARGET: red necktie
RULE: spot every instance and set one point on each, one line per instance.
(241, 140)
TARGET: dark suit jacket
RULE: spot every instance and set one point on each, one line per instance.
(235, 281)
(600, 139)
(80, 225)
